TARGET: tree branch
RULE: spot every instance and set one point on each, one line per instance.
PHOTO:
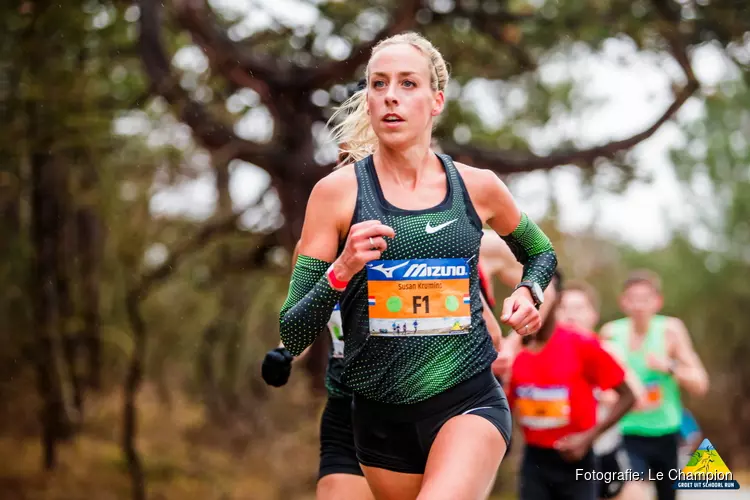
(669, 27)
(203, 236)
(327, 73)
(507, 162)
(246, 68)
(212, 133)
(495, 25)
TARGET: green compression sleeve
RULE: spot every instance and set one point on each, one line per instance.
(308, 306)
(533, 249)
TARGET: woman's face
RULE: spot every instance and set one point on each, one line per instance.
(400, 101)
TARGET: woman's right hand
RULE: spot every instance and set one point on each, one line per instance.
(365, 243)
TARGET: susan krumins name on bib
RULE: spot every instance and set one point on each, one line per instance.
(420, 286)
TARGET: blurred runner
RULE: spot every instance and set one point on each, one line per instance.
(551, 392)
(659, 350)
(579, 306)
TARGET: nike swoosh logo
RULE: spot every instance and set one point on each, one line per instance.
(430, 229)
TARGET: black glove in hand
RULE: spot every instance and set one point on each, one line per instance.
(277, 365)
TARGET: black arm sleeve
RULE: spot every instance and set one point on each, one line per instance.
(533, 249)
(308, 306)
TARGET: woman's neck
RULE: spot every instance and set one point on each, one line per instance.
(406, 166)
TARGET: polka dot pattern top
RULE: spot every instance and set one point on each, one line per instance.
(406, 369)
(308, 305)
(534, 250)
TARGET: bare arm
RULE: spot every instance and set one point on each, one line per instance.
(509, 347)
(311, 297)
(623, 404)
(493, 327)
(688, 370)
(329, 211)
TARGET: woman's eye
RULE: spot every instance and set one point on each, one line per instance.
(409, 83)
(378, 84)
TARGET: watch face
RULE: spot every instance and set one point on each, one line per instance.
(538, 292)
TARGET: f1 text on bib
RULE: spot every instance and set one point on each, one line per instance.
(419, 297)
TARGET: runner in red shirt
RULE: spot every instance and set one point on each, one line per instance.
(551, 392)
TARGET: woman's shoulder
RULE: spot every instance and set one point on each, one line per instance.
(479, 180)
(341, 180)
(333, 198)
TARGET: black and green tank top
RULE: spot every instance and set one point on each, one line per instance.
(413, 320)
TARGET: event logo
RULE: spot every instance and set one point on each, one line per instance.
(705, 471)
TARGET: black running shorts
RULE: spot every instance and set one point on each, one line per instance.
(611, 464)
(337, 452)
(651, 455)
(545, 475)
(398, 437)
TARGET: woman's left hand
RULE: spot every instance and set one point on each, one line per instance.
(520, 313)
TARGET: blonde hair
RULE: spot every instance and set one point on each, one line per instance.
(354, 132)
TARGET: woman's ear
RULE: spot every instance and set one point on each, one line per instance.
(439, 105)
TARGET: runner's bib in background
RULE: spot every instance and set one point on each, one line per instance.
(337, 332)
(542, 408)
(653, 396)
(419, 297)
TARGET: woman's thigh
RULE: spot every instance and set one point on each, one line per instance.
(463, 460)
(389, 485)
(343, 487)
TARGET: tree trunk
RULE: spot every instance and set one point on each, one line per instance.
(45, 234)
(10, 198)
(89, 245)
(207, 369)
(130, 393)
(65, 306)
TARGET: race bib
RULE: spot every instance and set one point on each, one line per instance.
(653, 397)
(543, 407)
(419, 297)
(337, 332)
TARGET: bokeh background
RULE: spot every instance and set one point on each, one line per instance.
(155, 162)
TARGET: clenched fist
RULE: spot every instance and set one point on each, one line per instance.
(365, 243)
(520, 313)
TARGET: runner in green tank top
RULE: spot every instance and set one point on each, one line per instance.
(401, 232)
(339, 474)
(659, 350)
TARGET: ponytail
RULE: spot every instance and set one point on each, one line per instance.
(354, 134)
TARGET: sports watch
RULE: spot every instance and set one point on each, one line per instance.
(537, 294)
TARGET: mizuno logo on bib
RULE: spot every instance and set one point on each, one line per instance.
(419, 297)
